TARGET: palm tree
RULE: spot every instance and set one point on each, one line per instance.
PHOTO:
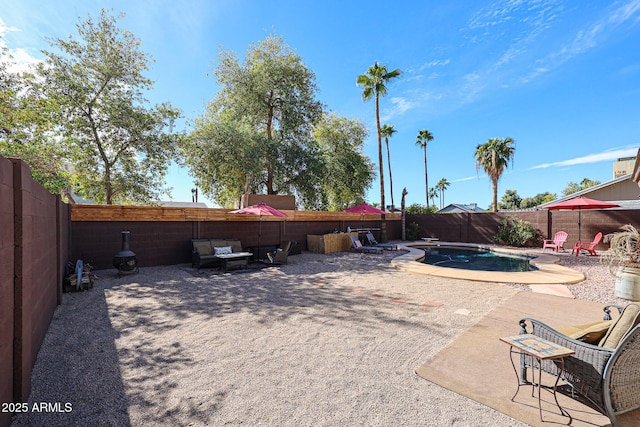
(373, 86)
(433, 194)
(493, 156)
(387, 131)
(442, 185)
(423, 138)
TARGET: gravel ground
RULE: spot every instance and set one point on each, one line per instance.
(599, 283)
(326, 340)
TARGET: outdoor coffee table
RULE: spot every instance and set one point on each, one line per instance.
(539, 350)
(234, 260)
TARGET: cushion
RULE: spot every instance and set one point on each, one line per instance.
(629, 318)
(223, 250)
(216, 243)
(235, 244)
(590, 333)
(202, 247)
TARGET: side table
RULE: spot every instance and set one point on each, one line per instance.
(539, 350)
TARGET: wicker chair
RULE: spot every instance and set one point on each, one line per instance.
(608, 378)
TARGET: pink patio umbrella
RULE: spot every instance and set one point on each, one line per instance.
(580, 203)
(363, 209)
(261, 209)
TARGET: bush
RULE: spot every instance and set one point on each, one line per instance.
(512, 231)
(412, 231)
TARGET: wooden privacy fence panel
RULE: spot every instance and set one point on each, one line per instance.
(160, 213)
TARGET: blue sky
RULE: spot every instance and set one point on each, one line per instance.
(562, 78)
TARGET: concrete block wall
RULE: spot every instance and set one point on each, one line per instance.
(6, 286)
(34, 248)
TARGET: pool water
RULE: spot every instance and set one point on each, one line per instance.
(474, 259)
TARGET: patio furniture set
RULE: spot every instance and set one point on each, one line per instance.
(557, 244)
(600, 361)
(228, 253)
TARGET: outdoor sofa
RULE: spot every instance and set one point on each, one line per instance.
(218, 252)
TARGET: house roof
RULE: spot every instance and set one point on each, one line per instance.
(171, 204)
(456, 207)
(589, 190)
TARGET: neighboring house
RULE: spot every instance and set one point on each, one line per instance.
(623, 191)
(182, 204)
(458, 208)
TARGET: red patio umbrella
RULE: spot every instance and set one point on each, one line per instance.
(580, 203)
(261, 209)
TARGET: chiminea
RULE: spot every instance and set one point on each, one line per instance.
(125, 260)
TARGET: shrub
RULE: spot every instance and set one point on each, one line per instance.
(512, 231)
(412, 231)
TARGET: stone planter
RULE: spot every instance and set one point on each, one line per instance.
(628, 283)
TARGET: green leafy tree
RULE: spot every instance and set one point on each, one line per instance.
(573, 187)
(373, 85)
(423, 138)
(538, 199)
(25, 130)
(442, 185)
(118, 148)
(348, 172)
(493, 156)
(387, 132)
(433, 194)
(416, 208)
(510, 200)
(271, 100)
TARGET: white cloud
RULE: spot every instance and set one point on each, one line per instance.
(434, 63)
(605, 156)
(589, 37)
(18, 60)
(469, 178)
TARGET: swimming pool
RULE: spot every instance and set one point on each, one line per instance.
(474, 259)
(545, 268)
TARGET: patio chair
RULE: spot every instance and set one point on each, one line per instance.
(281, 254)
(605, 368)
(356, 245)
(557, 243)
(373, 242)
(588, 246)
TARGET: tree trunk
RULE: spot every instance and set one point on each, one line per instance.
(495, 195)
(404, 219)
(393, 207)
(269, 182)
(426, 175)
(383, 218)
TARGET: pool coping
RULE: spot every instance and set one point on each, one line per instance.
(548, 271)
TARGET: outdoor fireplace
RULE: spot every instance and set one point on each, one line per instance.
(125, 260)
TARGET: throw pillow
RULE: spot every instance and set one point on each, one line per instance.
(203, 248)
(591, 333)
(629, 318)
(223, 250)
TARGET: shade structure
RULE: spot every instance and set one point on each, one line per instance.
(364, 209)
(261, 209)
(580, 203)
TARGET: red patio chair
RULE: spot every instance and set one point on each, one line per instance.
(588, 246)
(557, 243)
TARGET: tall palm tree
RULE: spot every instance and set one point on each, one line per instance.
(373, 86)
(442, 185)
(387, 132)
(433, 194)
(423, 138)
(493, 156)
